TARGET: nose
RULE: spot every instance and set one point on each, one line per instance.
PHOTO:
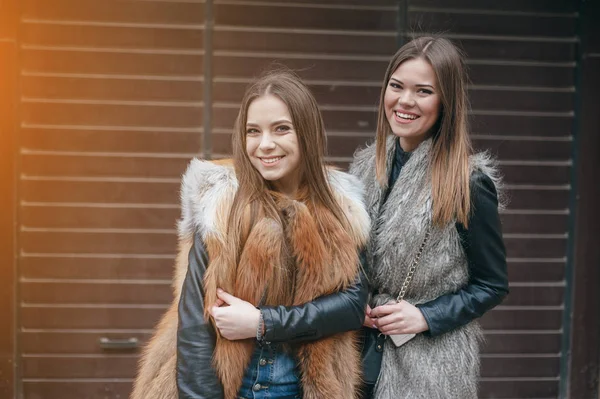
(406, 98)
(266, 142)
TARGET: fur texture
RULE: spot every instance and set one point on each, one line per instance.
(316, 255)
(445, 366)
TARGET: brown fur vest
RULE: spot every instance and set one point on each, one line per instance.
(290, 263)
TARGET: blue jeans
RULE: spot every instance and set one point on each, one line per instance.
(271, 373)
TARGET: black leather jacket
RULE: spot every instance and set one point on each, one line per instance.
(327, 315)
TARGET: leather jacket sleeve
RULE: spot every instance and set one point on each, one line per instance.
(196, 379)
(486, 255)
(325, 316)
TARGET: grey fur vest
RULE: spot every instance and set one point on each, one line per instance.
(445, 366)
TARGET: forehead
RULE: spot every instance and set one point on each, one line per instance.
(416, 71)
(266, 108)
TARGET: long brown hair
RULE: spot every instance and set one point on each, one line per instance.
(451, 145)
(255, 196)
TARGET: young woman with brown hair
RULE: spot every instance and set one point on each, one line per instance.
(267, 284)
(436, 256)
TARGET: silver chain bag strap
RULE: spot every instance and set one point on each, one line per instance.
(401, 339)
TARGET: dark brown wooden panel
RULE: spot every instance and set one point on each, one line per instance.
(286, 41)
(123, 37)
(498, 343)
(170, 12)
(109, 242)
(521, 73)
(521, 366)
(87, 342)
(534, 223)
(540, 271)
(522, 125)
(521, 100)
(75, 389)
(118, 292)
(526, 389)
(534, 247)
(249, 66)
(534, 296)
(504, 48)
(363, 19)
(94, 166)
(82, 267)
(538, 174)
(474, 23)
(326, 94)
(558, 6)
(112, 140)
(522, 319)
(123, 114)
(109, 366)
(103, 88)
(538, 198)
(49, 216)
(535, 150)
(129, 63)
(153, 192)
(91, 317)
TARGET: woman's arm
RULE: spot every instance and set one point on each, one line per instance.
(322, 317)
(196, 379)
(486, 255)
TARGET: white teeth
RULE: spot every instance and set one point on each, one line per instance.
(271, 160)
(406, 116)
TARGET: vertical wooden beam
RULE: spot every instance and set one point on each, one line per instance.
(585, 345)
(8, 121)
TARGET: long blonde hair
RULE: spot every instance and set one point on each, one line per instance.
(255, 196)
(451, 145)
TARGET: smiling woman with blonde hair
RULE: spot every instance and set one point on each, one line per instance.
(267, 284)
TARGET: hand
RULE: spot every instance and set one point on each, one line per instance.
(238, 320)
(399, 318)
(369, 322)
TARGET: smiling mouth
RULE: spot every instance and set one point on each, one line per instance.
(405, 116)
(271, 160)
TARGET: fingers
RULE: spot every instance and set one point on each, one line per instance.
(384, 310)
(227, 298)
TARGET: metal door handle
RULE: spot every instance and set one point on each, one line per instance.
(128, 343)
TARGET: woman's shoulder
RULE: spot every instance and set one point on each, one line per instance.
(206, 186)
(363, 159)
(486, 177)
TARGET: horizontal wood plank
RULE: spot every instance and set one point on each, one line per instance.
(99, 317)
(78, 61)
(95, 267)
(111, 139)
(157, 12)
(91, 242)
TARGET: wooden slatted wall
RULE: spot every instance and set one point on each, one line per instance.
(111, 109)
(522, 67)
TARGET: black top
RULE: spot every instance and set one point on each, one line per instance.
(485, 252)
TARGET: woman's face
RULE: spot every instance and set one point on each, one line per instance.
(412, 102)
(272, 143)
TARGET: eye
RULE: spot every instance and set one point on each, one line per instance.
(425, 91)
(252, 131)
(395, 85)
(282, 128)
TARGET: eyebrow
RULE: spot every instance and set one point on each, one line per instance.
(417, 85)
(277, 122)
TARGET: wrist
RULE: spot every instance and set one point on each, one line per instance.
(260, 328)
